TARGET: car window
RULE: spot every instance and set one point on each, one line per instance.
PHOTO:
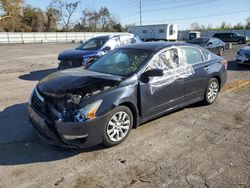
(127, 40)
(93, 44)
(113, 43)
(202, 41)
(166, 60)
(214, 41)
(191, 55)
(122, 62)
(206, 55)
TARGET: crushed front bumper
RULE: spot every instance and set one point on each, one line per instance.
(68, 134)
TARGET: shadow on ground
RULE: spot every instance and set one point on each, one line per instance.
(20, 145)
(233, 65)
(37, 75)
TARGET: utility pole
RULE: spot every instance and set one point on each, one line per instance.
(140, 12)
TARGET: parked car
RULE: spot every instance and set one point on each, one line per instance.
(243, 55)
(133, 84)
(93, 49)
(212, 44)
(231, 37)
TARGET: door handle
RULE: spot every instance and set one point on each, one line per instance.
(206, 67)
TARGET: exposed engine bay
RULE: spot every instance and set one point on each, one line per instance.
(65, 109)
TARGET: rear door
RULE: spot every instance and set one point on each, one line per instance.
(196, 83)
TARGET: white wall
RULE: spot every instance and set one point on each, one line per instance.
(16, 37)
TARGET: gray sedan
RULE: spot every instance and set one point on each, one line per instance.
(212, 44)
(243, 56)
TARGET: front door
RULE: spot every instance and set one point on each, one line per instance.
(160, 94)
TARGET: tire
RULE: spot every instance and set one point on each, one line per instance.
(241, 42)
(115, 126)
(212, 91)
(221, 52)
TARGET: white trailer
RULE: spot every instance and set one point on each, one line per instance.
(167, 32)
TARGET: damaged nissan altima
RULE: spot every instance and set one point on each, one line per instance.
(102, 102)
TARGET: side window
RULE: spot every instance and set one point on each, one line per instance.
(133, 40)
(166, 60)
(206, 55)
(113, 43)
(214, 41)
(161, 30)
(217, 41)
(191, 55)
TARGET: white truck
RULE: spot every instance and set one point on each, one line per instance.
(168, 32)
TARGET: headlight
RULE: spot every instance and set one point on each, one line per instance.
(85, 61)
(88, 112)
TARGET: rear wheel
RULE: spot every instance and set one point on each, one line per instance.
(212, 91)
(240, 41)
(118, 126)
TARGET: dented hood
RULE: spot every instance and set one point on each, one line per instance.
(59, 83)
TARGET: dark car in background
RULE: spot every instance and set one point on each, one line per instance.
(212, 44)
(94, 48)
(130, 85)
(231, 37)
(243, 55)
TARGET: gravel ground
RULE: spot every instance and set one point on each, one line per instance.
(198, 146)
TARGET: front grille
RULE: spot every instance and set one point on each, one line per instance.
(72, 62)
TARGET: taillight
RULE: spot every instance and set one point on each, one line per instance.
(224, 62)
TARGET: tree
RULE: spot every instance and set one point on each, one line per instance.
(225, 26)
(101, 20)
(53, 17)
(248, 23)
(239, 26)
(66, 11)
(10, 14)
(195, 26)
(34, 19)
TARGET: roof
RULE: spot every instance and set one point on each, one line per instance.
(204, 38)
(154, 46)
(151, 25)
(113, 35)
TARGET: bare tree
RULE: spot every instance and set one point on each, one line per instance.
(195, 26)
(248, 23)
(66, 11)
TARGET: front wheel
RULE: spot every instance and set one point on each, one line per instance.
(118, 126)
(212, 91)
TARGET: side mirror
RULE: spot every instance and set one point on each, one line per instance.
(151, 73)
(106, 49)
(209, 43)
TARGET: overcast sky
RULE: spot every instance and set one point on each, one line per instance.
(182, 12)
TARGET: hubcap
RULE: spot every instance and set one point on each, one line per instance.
(212, 91)
(118, 126)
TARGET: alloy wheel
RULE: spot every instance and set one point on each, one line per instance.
(118, 126)
(212, 91)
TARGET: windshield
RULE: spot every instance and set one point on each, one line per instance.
(199, 41)
(93, 44)
(121, 62)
